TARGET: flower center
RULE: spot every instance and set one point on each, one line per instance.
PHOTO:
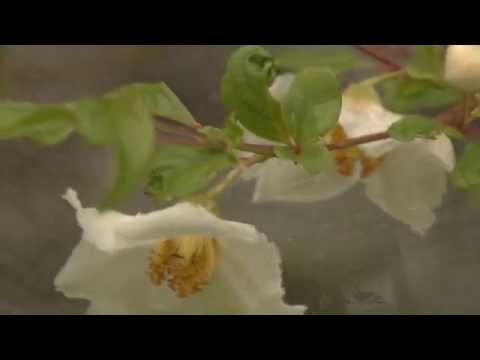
(346, 158)
(186, 263)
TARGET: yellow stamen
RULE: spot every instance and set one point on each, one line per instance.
(187, 263)
(369, 165)
(346, 158)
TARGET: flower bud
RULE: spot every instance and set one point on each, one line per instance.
(463, 67)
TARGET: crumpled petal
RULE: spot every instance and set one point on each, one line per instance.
(282, 180)
(462, 66)
(112, 231)
(409, 185)
(98, 227)
(247, 279)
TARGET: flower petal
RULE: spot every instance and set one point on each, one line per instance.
(282, 180)
(260, 288)
(98, 228)
(113, 232)
(91, 273)
(409, 185)
(253, 172)
(360, 117)
(181, 219)
(443, 149)
(247, 280)
(281, 86)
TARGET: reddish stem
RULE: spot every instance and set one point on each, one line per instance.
(266, 150)
(168, 138)
(451, 118)
(348, 143)
(379, 56)
(176, 127)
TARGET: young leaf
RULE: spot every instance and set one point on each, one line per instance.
(466, 175)
(46, 125)
(245, 92)
(313, 104)
(183, 171)
(227, 138)
(338, 60)
(427, 63)
(412, 96)
(314, 157)
(412, 127)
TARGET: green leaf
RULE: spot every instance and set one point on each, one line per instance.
(215, 137)
(314, 157)
(427, 63)
(412, 127)
(313, 104)
(245, 92)
(46, 125)
(159, 100)
(123, 119)
(156, 99)
(338, 60)
(125, 123)
(411, 96)
(183, 171)
(452, 133)
(467, 171)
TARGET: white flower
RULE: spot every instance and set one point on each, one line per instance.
(407, 181)
(462, 67)
(181, 260)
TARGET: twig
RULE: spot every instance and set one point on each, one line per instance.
(233, 175)
(168, 138)
(450, 118)
(378, 56)
(348, 143)
(266, 150)
(174, 127)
